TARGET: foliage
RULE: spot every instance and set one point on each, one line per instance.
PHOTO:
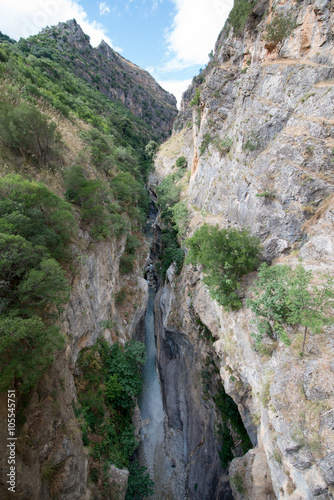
(226, 255)
(238, 482)
(44, 287)
(30, 210)
(225, 453)
(279, 28)
(223, 145)
(181, 162)
(196, 100)
(168, 194)
(205, 143)
(131, 195)
(172, 252)
(174, 215)
(6, 38)
(251, 145)
(35, 227)
(128, 259)
(26, 350)
(126, 264)
(140, 485)
(93, 197)
(25, 130)
(180, 217)
(239, 15)
(266, 194)
(151, 149)
(285, 296)
(108, 385)
(231, 416)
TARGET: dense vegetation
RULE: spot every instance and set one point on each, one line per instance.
(108, 385)
(278, 29)
(106, 71)
(35, 227)
(239, 15)
(43, 106)
(174, 215)
(226, 255)
(231, 420)
(31, 74)
(285, 297)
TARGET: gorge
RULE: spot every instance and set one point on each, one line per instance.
(252, 147)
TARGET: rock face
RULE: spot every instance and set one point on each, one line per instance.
(115, 76)
(50, 458)
(191, 443)
(260, 152)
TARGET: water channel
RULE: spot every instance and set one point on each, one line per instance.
(152, 448)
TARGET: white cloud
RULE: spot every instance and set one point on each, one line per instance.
(194, 31)
(22, 19)
(176, 87)
(104, 9)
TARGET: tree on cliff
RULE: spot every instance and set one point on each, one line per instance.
(226, 255)
(285, 296)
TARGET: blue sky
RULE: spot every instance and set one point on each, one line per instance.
(169, 38)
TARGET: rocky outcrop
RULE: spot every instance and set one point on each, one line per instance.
(92, 310)
(115, 76)
(50, 458)
(259, 148)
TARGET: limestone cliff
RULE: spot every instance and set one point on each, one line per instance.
(259, 144)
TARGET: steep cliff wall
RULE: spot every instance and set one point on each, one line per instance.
(259, 144)
(50, 457)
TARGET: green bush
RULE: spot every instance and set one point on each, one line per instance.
(130, 192)
(239, 15)
(35, 227)
(180, 217)
(172, 214)
(205, 143)
(44, 287)
(266, 194)
(132, 243)
(151, 149)
(27, 346)
(168, 194)
(181, 162)
(140, 485)
(126, 264)
(251, 145)
(278, 29)
(226, 255)
(25, 130)
(223, 145)
(285, 296)
(107, 387)
(230, 413)
(172, 252)
(92, 196)
(196, 100)
(30, 210)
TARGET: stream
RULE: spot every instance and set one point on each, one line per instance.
(151, 452)
(179, 443)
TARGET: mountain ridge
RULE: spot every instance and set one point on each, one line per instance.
(110, 73)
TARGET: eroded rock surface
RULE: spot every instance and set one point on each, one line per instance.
(259, 149)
